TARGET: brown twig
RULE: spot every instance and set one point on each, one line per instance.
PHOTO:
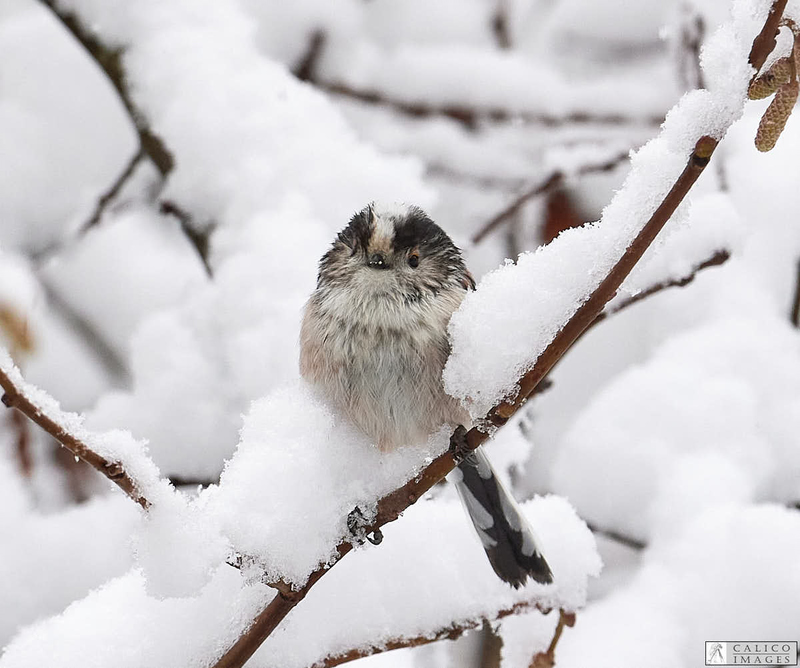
(548, 184)
(391, 506)
(108, 196)
(548, 659)
(692, 32)
(14, 397)
(472, 116)
(307, 65)
(198, 239)
(718, 258)
(794, 315)
(451, 632)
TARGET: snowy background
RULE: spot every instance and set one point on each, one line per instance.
(666, 449)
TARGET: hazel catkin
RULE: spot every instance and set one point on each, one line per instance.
(776, 115)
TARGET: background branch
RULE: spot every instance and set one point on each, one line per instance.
(110, 61)
(451, 632)
(553, 181)
(472, 116)
(109, 195)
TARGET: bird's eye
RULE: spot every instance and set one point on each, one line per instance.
(413, 260)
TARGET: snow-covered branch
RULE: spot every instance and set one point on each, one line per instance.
(453, 632)
(112, 454)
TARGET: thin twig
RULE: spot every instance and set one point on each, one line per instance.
(15, 397)
(472, 116)
(198, 239)
(718, 258)
(548, 659)
(451, 632)
(617, 537)
(794, 316)
(391, 506)
(109, 195)
(110, 61)
(692, 32)
(307, 65)
(551, 182)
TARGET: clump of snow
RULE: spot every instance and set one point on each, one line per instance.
(703, 395)
(285, 496)
(731, 573)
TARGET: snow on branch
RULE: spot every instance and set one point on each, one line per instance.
(653, 192)
(453, 632)
(114, 454)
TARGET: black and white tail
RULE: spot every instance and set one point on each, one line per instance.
(507, 537)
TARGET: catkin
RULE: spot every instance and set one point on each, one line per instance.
(775, 77)
(776, 115)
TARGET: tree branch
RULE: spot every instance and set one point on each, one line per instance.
(551, 182)
(108, 196)
(548, 659)
(472, 116)
(198, 239)
(16, 397)
(452, 632)
(617, 537)
(110, 61)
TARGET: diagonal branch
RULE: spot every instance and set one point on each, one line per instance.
(452, 632)
(16, 396)
(110, 61)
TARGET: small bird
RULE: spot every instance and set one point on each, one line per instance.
(374, 341)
